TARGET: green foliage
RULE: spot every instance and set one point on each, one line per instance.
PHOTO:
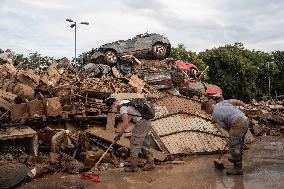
(21, 60)
(235, 69)
(33, 60)
(277, 69)
(36, 60)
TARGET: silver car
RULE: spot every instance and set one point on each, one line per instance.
(145, 46)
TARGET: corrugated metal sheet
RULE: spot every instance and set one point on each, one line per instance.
(181, 127)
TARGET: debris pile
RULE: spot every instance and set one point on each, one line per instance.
(267, 117)
(49, 111)
(55, 120)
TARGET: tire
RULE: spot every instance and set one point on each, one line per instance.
(159, 51)
(110, 57)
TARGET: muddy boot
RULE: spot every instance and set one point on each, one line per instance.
(150, 165)
(133, 164)
(237, 170)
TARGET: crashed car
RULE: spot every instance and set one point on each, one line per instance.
(143, 46)
(190, 69)
(186, 77)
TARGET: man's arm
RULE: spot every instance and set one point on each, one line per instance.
(237, 102)
(125, 123)
(223, 130)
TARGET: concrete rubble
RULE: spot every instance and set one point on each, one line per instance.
(59, 118)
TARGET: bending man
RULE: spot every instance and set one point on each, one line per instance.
(230, 118)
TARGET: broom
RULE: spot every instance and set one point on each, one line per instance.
(217, 162)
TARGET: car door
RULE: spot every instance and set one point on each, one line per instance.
(144, 42)
(129, 45)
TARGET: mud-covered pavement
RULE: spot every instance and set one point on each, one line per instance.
(263, 168)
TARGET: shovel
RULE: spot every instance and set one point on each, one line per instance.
(96, 165)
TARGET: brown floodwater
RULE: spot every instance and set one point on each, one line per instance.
(263, 168)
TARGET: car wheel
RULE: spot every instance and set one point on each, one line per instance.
(110, 57)
(159, 51)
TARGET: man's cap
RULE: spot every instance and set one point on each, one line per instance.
(109, 102)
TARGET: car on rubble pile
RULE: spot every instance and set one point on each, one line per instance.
(154, 46)
(187, 78)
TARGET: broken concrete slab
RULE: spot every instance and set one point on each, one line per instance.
(48, 107)
(52, 107)
(52, 77)
(24, 92)
(22, 136)
(28, 77)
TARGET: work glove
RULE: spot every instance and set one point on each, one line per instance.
(117, 137)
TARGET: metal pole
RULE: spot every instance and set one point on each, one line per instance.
(75, 42)
(268, 79)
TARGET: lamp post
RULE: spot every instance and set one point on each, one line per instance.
(74, 25)
(269, 83)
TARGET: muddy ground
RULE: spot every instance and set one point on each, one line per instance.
(263, 168)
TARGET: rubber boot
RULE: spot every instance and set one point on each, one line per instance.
(133, 164)
(237, 170)
(150, 165)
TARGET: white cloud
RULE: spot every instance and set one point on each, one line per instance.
(39, 25)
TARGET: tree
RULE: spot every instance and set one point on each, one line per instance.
(277, 78)
(33, 61)
(235, 69)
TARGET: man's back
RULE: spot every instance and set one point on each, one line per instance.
(131, 111)
(224, 113)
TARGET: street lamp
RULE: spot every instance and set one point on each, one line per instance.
(74, 25)
(269, 84)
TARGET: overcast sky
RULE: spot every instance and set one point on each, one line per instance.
(39, 25)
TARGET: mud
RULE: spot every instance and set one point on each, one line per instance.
(263, 168)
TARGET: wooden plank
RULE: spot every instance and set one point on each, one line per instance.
(107, 135)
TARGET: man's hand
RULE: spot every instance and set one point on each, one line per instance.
(237, 102)
(117, 137)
